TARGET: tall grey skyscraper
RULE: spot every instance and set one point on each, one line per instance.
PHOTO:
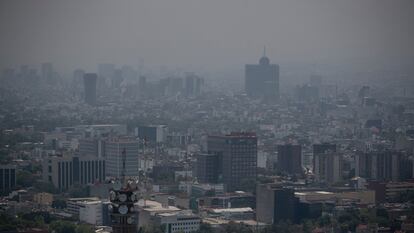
(237, 159)
(90, 88)
(114, 149)
(289, 158)
(262, 80)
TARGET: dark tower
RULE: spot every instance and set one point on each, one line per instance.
(262, 80)
(123, 197)
(289, 158)
(89, 80)
(237, 159)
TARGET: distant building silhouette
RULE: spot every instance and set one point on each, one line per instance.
(47, 73)
(142, 85)
(262, 80)
(106, 73)
(193, 85)
(90, 88)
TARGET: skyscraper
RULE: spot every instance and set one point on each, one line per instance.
(289, 158)
(7, 178)
(90, 88)
(65, 172)
(208, 168)
(238, 157)
(114, 149)
(193, 84)
(262, 80)
(327, 163)
(384, 166)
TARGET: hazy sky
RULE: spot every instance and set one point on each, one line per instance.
(213, 34)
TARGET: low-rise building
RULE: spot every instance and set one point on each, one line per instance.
(182, 221)
(73, 205)
(91, 212)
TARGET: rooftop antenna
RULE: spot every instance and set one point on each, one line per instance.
(123, 168)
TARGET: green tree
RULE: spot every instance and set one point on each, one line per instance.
(82, 228)
(205, 228)
(152, 228)
(62, 227)
(59, 204)
(25, 178)
(233, 227)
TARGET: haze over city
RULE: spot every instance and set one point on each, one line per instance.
(206, 35)
(189, 116)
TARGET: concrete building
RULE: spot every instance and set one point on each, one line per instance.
(147, 211)
(114, 148)
(73, 205)
(275, 203)
(152, 133)
(262, 80)
(327, 163)
(7, 179)
(366, 197)
(64, 172)
(245, 213)
(182, 221)
(384, 165)
(208, 168)
(387, 191)
(237, 158)
(91, 212)
(92, 147)
(289, 158)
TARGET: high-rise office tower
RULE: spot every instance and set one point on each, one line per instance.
(142, 85)
(65, 172)
(384, 166)
(238, 157)
(7, 178)
(327, 163)
(289, 158)
(92, 147)
(262, 80)
(114, 148)
(208, 168)
(123, 197)
(106, 73)
(90, 88)
(193, 84)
